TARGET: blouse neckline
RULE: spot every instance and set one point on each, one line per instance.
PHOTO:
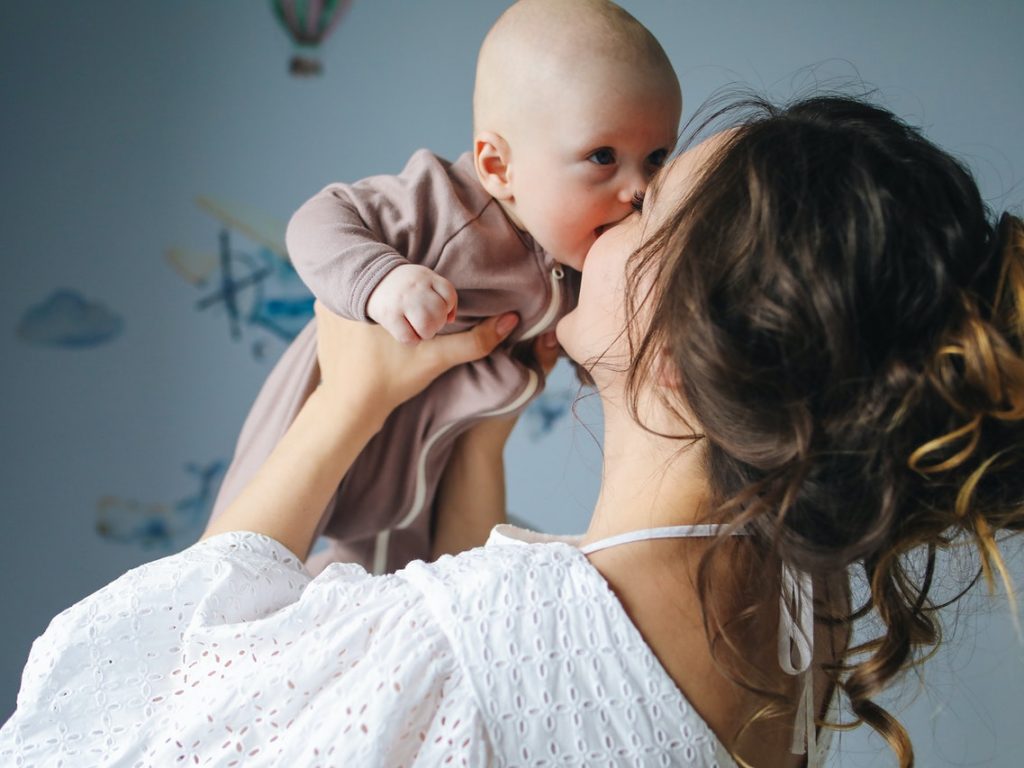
(796, 593)
(507, 534)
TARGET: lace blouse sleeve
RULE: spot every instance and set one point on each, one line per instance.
(229, 652)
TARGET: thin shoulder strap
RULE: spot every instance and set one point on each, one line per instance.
(666, 532)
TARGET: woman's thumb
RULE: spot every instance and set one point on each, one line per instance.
(478, 342)
(505, 324)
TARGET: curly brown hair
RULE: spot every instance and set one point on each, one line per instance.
(846, 319)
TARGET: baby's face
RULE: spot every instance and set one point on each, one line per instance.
(582, 160)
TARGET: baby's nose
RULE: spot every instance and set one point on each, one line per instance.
(632, 184)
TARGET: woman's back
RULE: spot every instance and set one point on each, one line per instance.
(656, 583)
(561, 671)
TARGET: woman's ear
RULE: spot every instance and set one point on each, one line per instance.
(666, 373)
(491, 160)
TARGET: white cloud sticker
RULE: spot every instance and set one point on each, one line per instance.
(68, 319)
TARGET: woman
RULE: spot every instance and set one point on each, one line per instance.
(807, 345)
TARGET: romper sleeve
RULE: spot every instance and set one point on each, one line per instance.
(347, 237)
(229, 651)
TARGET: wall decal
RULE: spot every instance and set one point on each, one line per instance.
(67, 319)
(547, 410)
(158, 525)
(255, 288)
(308, 23)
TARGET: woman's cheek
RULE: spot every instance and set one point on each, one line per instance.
(565, 333)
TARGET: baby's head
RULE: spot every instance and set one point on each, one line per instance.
(576, 106)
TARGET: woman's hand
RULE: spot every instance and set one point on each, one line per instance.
(361, 364)
(366, 374)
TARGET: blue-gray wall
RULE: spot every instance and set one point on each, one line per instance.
(115, 116)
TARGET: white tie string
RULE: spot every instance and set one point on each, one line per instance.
(796, 651)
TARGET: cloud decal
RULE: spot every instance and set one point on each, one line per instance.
(68, 319)
(157, 525)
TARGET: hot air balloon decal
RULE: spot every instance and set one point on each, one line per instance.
(308, 23)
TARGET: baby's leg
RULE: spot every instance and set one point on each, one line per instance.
(470, 498)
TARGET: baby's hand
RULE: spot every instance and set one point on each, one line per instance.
(412, 303)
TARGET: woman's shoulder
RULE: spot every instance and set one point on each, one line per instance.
(557, 667)
(502, 578)
(233, 636)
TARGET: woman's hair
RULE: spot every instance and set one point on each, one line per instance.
(846, 320)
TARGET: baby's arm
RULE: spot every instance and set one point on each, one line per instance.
(386, 233)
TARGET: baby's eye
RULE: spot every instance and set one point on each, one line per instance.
(658, 157)
(638, 201)
(603, 156)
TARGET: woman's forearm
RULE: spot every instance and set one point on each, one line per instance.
(365, 375)
(287, 497)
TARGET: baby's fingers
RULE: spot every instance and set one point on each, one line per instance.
(449, 296)
(427, 315)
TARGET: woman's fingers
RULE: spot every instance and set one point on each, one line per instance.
(547, 351)
(474, 344)
(364, 357)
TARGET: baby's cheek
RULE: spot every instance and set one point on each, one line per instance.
(576, 227)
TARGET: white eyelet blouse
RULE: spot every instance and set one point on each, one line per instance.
(229, 654)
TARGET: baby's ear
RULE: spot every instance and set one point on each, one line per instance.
(491, 158)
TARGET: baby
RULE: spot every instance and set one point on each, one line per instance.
(575, 107)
